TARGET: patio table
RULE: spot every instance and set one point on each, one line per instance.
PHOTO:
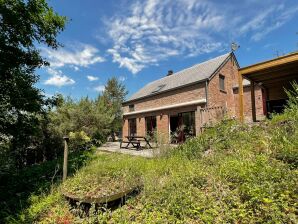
(135, 140)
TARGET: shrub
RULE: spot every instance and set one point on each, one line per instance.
(79, 141)
(232, 173)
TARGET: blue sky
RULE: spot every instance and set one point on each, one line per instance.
(139, 41)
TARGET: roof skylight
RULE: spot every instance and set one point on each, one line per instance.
(158, 89)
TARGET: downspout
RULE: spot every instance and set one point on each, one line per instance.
(206, 92)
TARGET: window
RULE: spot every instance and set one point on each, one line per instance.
(222, 83)
(131, 107)
(157, 89)
(189, 123)
(132, 126)
(182, 126)
(150, 125)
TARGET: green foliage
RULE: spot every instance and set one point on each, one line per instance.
(93, 117)
(284, 130)
(22, 25)
(114, 95)
(232, 173)
(97, 118)
(105, 176)
(219, 188)
(79, 141)
(87, 122)
(33, 185)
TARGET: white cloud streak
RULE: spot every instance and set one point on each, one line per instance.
(153, 31)
(122, 78)
(74, 56)
(57, 78)
(276, 21)
(92, 78)
(59, 81)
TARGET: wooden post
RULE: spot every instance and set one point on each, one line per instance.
(66, 139)
(253, 101)
(240, 89)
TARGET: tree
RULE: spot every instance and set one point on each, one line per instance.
(114, 95)
(93, 117)
(23, 25)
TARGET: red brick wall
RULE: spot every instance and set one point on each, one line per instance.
(162, 120)
(230, 96)
(187, 94)
(163, 126)
(216, 97)
(247, 103)
(125, 128)
(141, 126)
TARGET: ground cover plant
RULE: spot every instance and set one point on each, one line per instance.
(232, 173)
(113, 175)
(19, 190)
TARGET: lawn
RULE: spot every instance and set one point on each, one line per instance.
(19, 190)
(232, 173)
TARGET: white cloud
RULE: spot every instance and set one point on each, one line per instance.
(92, 78)
(122, 78)
(152, 31)
(75, 56)
(76, 68)
(52, 71)
(99, 88)
(278, 19)
(59, 80)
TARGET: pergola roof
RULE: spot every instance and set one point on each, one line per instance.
(273, 72)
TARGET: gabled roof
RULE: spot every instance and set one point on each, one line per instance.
(194, 74)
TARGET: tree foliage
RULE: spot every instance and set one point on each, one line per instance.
(91, 116)
(97, 118)
(23, 25)
(114, 95)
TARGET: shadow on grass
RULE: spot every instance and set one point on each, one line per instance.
(16, 188)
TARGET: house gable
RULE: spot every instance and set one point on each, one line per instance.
(195, 74)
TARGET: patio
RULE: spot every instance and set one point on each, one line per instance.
(115, 147)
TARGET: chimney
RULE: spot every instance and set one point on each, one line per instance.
(170, 72)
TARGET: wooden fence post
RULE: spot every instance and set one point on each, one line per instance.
(66, 139)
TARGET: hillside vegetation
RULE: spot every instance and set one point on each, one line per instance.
(232, 173)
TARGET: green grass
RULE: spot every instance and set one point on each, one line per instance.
(105, 175)
(232, 173)
(19, 190)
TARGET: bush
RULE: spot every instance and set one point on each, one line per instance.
(79, 141)
(232, 173)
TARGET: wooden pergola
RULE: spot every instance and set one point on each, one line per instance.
(272, 76)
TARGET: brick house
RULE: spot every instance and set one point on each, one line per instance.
(187, 100)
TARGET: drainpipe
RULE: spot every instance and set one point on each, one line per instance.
(206, 92)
